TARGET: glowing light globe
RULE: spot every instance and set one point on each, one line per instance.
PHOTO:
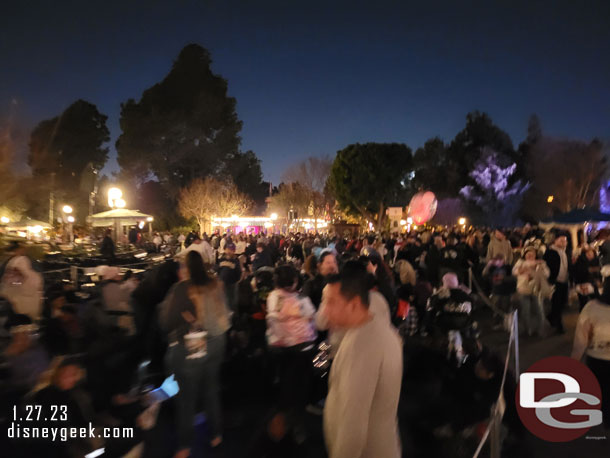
(422, 207)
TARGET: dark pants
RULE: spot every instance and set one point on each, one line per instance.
(558, 303)
(231, 292)
(198, 380)
(294, 368)
(601, 370)
(584, 299)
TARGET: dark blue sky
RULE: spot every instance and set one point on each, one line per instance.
(311, 77)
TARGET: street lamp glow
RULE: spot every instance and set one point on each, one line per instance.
(403, 222)
(70, 219)
(462, 221)
(66, 209)
(149, 219)
(114, 195)
(273, 216)
(119, 203)
(409, 220)
(5, 220)
(550, 199)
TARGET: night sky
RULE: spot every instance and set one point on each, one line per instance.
(311, 77)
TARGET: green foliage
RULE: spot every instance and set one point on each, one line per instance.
(11, 200)
(365, 178)
(152, 199)
(465, 150)
(291, 196)
(184, 127)
(244, 169)
(63, 152)
(431, 170)
(191, 225)
(571, 171)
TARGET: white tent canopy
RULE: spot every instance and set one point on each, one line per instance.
(26, 224)
(121, 216)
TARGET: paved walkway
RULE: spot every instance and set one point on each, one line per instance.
(533, 349)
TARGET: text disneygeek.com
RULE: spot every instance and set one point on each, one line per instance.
(63, 434)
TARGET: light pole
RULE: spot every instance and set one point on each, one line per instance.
(115, 198)
(68, 220)
(274, 219)
(462, 222)
(115, 201)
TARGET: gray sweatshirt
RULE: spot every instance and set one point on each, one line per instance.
(364, 388)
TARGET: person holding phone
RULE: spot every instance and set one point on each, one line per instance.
(195, 316)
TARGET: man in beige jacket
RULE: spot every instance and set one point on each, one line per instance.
(364, 385)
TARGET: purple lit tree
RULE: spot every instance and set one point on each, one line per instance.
(494, 192)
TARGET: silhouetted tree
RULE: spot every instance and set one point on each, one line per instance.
(465, 150)
(365, 178)
(183, 128)
(67, 146)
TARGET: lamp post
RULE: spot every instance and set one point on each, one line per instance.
(68, 220)
(115, 201)
(273, 217)
(462, 222)
(549, 200)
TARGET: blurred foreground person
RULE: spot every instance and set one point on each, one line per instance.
(531, 276)
(364, 385)
(291, 337)
(560, 267)
(592, 338)
(196, 319)
(20, 284)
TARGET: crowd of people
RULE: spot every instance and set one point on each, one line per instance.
(377, 332)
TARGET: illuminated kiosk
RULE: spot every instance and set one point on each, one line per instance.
(575, 221)
(119, 218)
(257, 224)
(28, 228)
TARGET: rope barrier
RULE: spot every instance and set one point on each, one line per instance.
(483, 297)
(84, 269)
(497, 410)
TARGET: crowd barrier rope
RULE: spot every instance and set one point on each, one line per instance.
(493, 430)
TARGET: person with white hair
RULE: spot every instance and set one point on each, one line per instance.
(449, 311)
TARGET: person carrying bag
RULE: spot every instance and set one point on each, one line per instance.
(196, 319)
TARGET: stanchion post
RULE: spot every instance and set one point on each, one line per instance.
(495, 446)
(74, 275)
(516, 337)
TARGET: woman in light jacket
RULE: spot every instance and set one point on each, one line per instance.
(592, 338)
(530, 272)
(195, 304)
(291, 336)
